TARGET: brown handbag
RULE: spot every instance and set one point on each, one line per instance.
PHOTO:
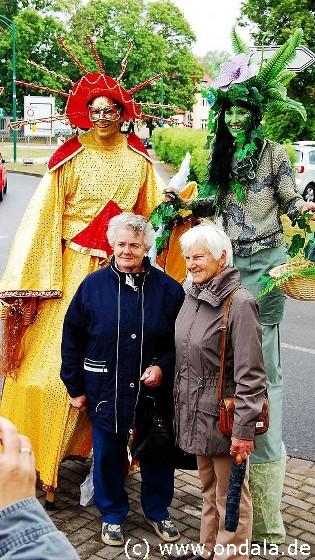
(226, 404)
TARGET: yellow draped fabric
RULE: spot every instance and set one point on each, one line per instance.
(66, 201)
(172, 260)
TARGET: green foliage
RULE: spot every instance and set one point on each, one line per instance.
(40, 46)
(172, 144)
(291, 153)
(238, 44)
(275, 21)
(280, 59)
(162, 43)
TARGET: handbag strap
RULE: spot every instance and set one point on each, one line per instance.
(223, 337)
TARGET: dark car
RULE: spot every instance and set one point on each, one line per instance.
(3, 179)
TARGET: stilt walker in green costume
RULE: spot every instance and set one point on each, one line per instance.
(251, 183)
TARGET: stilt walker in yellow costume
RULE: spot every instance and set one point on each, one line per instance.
(60, 240)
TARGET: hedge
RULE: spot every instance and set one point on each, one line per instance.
(171, 145)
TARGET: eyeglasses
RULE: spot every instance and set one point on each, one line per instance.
(111, 114)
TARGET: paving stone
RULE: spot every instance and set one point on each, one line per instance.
(297, 493)
(295, 476)
(305, 525)
(109, 552)
(287, 517)
(297, 512)
(300, 464)
(296, 502)
(294, 483)
(191, 480)
(192, 490)
(176, 513)
(293, 532)
(309, 489)
(193, 511)
(82, 535)
(308, 537)
(88, 549)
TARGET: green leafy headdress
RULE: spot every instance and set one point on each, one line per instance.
(264, 86)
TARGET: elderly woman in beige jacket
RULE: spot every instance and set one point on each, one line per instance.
(209, 260)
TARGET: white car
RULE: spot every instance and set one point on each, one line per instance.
(305, 169)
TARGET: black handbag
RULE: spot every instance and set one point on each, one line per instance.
(155, 441)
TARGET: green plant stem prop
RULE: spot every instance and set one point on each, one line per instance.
(163, 219)
(302, 253)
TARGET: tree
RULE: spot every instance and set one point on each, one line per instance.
(162, 41)
(276, 19)
(211, 61)
(35, 40)
(162, 44)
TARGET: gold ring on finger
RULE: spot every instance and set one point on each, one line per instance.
(26, 450)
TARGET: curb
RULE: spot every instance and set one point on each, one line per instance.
(24, 173)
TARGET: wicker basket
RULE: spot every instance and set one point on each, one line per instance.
(298, 287)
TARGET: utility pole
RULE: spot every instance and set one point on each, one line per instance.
(11, 25)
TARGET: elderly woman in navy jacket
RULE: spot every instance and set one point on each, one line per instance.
(118, 338)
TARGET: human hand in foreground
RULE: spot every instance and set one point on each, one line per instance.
(17, 465)
(152, 377)
(241, 447)
(308, 207)
(79, 402)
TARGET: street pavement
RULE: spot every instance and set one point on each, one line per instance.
(82, 525)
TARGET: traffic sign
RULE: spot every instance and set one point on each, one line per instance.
(304, 57)
(2, 114)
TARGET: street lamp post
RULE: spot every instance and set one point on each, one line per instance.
(11, 25)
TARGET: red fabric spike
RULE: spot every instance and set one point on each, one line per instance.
(44, 88)
(71, 55)
(94, 235)
(147, 83)
(95, 54)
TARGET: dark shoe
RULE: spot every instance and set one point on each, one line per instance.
(112, 534)
(49, 506)
(165, 529)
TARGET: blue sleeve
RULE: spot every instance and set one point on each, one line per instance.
(27, 533)
(73, 345)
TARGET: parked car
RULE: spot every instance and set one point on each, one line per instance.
(305, 169)
(3, 179)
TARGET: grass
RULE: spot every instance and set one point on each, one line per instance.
(24, 152)
(38, 168)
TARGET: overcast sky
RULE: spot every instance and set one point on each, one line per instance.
(212, 21)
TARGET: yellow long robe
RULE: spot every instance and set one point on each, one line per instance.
(66, 202)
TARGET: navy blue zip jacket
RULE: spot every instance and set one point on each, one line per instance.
(116, 326)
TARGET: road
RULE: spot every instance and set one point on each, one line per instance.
(298, 349)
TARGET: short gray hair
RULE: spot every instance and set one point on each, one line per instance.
(138, 223)
(212, 237)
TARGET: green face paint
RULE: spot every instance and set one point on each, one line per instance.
(237, 119)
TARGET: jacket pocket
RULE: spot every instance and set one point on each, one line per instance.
(95, 366)
(207, 400)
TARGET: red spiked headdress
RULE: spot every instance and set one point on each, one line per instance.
(95, 85)
(91, 85)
